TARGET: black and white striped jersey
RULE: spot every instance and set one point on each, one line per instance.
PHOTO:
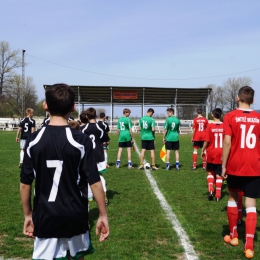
(61, 161)
(26, 124)
(98, 137)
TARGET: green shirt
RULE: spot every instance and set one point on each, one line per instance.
(146, 124)
(172, 125)
(124, 125)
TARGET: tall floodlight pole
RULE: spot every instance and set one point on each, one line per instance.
(23, 85)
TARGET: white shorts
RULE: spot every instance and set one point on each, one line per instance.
(22, 143)
(55, 248)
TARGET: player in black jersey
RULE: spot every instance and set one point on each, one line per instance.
(83, 119)
(26, 127)
(98, 137)
(62, 162)
(104, 125)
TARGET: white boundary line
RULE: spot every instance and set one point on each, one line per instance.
(190, 253)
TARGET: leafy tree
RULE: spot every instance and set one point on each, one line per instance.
(9, 61)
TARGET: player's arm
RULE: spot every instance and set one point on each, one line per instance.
(18, 134)
(32, 129)
(164, 135)
(102, 226)
(205, 145)
(25, 192)
(225, 154)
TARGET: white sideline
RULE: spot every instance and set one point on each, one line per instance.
(190, 253)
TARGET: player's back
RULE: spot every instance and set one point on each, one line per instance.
(61, 160)
(26, 124)
(104, 125)
(214, 136)
(146, 124)
(172, 125)
(98, 137)
(244, 128)
(124, 124)
(200, 124)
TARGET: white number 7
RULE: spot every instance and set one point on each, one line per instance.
(56, 178)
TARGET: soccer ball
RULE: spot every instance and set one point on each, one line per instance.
(147, 166)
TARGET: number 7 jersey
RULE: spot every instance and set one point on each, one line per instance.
(244, 128)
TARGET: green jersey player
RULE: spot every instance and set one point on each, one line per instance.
(171, 137)
(147, 128)
(125, 136)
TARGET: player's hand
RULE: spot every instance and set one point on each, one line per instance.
(28, 227)
(224, 174)
(102, 228)
(17, 140)
(164, 140)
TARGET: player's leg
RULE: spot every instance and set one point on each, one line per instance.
(90, 194)
(141, 167)
(177, 157)
(129, 157)
(119, 155)
(219, 181)
(204, 160)
(168, 153)
(239, 207)
(153, 160)
(103, 181)
(251, 220)
(194, 158)
(232, 214)
(210, 181)
(22, 145)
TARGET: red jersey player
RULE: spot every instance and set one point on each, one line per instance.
(213, 144)
(199, 133)
(241, 166)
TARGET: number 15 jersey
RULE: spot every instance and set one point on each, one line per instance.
(244, 128)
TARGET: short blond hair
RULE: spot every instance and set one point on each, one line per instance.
(29, 110)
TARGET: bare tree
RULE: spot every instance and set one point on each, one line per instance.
(9, 61)
(231, 87)
(13, 94)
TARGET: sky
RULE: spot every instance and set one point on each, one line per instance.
(167, 43)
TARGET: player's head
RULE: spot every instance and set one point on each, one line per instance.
(170, 111)
(102, 115)
(29, 112)
(91, 113)
(83, 117)
(199, 111)
(217, 113)
(150, 111)
(246, 95)
(60, 99)
(126, 111)
(74, 124)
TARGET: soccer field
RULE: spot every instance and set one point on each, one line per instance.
(139, 226)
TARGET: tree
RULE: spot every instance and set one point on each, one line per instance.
(9, 61)
(14, 95)
(231, 87)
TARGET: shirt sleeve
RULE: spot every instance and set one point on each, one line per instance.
(227, 126)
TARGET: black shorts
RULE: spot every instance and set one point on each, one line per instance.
(198, 144)
(125, 144)
(214, 168)
(249, 185)
(172, 145)
(148, 144)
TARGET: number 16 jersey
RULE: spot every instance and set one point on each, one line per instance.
(244, 128)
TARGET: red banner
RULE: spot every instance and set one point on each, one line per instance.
(124, 95)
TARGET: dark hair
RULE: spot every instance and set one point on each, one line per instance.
(150, 110)
(102, 115)
(126, 110)
(83, 117)
(74, 124)
(199, 111)
(246, 95)
(91, 113)
(217, 113)
(170, 109)
(60, 99)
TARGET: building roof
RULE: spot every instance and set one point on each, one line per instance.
(140, 95)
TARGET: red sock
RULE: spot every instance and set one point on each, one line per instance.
(194, 159)
(218, 187)
(232, 214)
(210, 180)
(251, 220)
(239, 204)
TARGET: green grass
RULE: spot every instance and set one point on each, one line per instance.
(138, 226)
